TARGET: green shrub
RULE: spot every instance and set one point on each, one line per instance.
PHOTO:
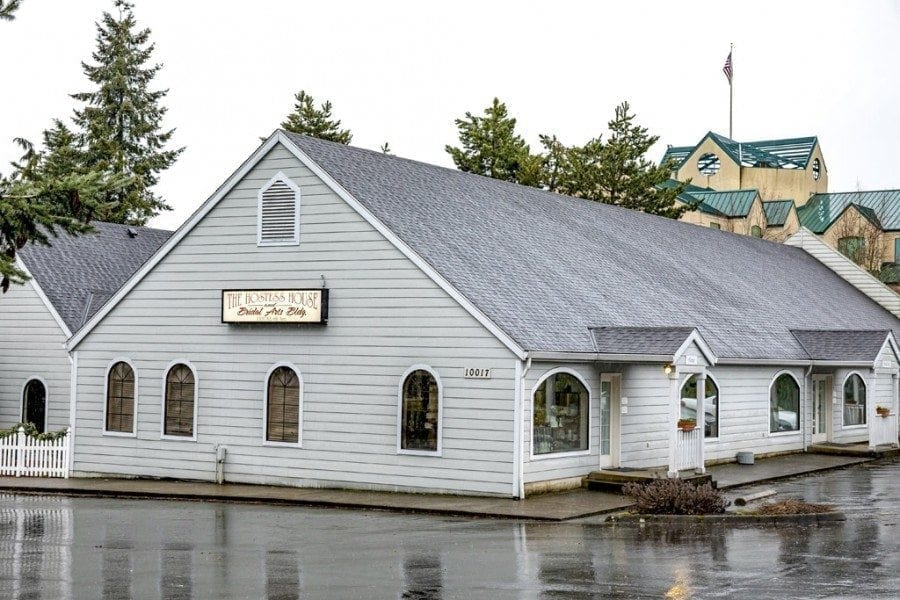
(675, 497)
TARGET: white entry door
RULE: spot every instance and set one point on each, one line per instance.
(821, 409)
(610, 409)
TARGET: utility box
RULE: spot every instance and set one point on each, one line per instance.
(745, 458)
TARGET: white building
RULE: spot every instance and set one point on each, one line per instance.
(339, 317)
(70, 280)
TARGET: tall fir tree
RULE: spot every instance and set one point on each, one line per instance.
(490, 146)
(315, 122)
(37, 200)
(121, 120)
(626, 178)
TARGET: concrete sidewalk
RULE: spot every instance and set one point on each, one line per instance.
(546, 507)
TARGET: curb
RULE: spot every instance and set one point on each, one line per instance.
(731, 519)
(274, 501)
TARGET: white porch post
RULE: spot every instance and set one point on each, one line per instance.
(701, 421)
(674, 413)
(871, 402)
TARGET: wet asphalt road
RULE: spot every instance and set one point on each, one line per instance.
(53, 547)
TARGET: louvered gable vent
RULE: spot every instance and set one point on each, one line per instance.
(278, 218)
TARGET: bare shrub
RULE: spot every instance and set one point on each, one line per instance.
(675, 497)
(793, 506)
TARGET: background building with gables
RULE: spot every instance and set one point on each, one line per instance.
(772, 188)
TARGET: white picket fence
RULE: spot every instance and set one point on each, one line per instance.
(687, 449)
(883, 430)
(24, 456)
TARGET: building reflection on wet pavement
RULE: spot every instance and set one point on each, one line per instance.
(56, 547)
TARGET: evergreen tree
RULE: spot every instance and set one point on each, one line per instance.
(315, 122)
(121, 121)
(8, 9)
(34, 204)
(490, 146)
(48, 190)
(626, 178)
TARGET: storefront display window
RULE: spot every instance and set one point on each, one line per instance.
(560, 415)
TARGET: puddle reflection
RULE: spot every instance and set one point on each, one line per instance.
(282, 575)
(423, 577)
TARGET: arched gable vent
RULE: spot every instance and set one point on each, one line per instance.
(279, 213)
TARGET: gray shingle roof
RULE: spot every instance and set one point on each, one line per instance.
(79, 273)
(640, 340)
(860, 346)
(545, 267)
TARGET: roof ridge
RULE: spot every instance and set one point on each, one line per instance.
(856, 192)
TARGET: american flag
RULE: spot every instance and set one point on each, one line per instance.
(727, 68)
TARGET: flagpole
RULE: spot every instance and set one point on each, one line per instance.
(731, 93)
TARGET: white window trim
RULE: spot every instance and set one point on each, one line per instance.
(799, 429)
(440, 416)
(280, 176)
(718, 404)
(162, 411)
(572, 453)
(265, 408)
(859, 426)
(134, 424)
(46, 399)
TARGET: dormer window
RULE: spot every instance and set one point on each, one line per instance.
(816, 169)
(279, 213)
(708, 164)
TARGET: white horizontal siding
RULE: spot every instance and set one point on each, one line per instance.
(384, 316)
(31, 345)
(744, 419)
(545, 467)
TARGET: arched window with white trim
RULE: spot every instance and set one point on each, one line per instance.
(283, 397)
(560, 414)
(180, 404)
(784, 404)
(121, 391)
(710, 404)
(278, 217)
(854, 400)
(420, 411)
(34, 404)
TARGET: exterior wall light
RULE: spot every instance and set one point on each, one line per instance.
(668, 369)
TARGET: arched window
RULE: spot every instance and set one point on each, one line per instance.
(420, 411)
(710, 404)
(560, 415)
(181, 390)
(756, 231)
(120, 394)
(816, 169)
(854, 401)
(283, 406)
(34, 404)
(784, 403)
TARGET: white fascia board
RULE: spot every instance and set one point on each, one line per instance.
(891, 343)
(598, 357)
(37, 289)
(696, 338)
(402, 246)
(176, 237)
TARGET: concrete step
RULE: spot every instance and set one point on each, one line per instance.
(614, 481)
(860, 450)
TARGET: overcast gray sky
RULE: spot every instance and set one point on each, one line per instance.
(402, 71)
